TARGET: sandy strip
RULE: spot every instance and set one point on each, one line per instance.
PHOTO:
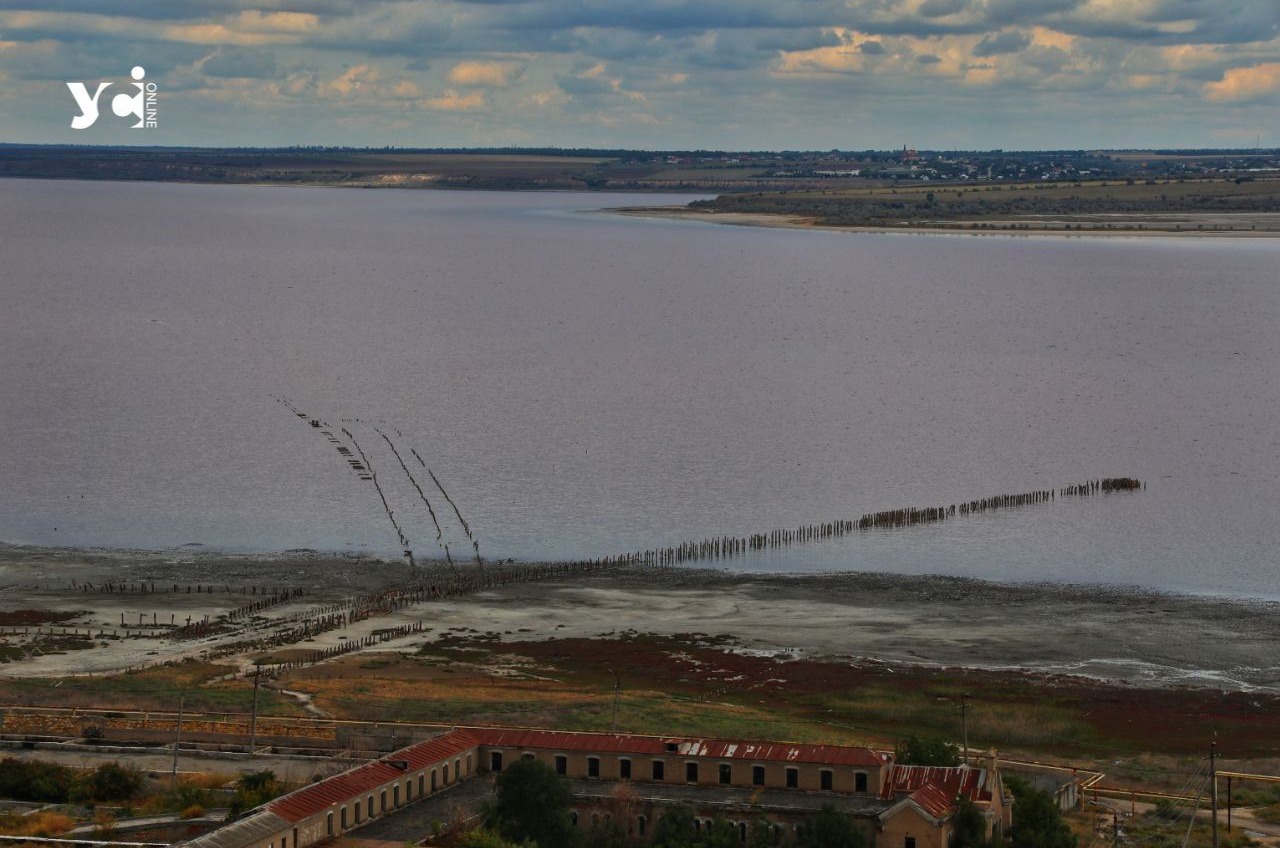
(799, 222)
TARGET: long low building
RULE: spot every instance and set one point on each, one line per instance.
(900, 806)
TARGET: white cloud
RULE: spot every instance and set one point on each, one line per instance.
(485, 74)
(1250, 83)
(452, 101)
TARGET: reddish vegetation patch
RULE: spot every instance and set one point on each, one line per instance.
(33, 617)
(700, 664)
(1182, 720)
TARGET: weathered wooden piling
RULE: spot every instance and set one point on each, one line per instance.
(421, 493)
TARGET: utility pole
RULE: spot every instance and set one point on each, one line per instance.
(617, 691)
(1213, 788)
(1228, 805)
(253, 721)
(964, 725)
(177, 737)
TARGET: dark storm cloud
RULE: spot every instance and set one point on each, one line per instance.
(942, 8)
(581, 84)
(150, 9)
(1009, 41)
(796, 39)
(677, 16)
(187, 10)
(85, 59)
(1232, 21)
(1049, 60)
(739, 49)
(871, 48)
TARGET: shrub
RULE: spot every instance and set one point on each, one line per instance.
(32, 780)
(1037, 821)
(104, 824)
(36, 824)
(113, 782)
(481, 838)
(927, 752)
(253, 790)
(533, 803)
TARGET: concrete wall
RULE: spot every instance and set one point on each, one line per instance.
(908, 823)
(807, 776)
(588, 814)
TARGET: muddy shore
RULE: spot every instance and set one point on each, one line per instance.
(1110, 633)
(1160, 226)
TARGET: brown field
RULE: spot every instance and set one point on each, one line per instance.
(853, 658)
(703, 685)
(1214, 206)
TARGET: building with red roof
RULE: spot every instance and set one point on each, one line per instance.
(901, 806)
(926, 798)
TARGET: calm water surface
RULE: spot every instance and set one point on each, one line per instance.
(584, 384)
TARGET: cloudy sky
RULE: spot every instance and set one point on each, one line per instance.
(733, 74)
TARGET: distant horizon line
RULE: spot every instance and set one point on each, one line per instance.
(610, 151)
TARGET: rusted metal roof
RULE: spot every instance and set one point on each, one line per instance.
(340, 788)
(953, 782)
(933, 800)
(657, 746)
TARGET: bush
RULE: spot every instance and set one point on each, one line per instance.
(186, 795)
(533, 803)
(104, 824)
(915, 751)
(31, 780)
(1037, 821)
(481, 838)
(253, 790)
(830, 828)
(36, 824)
(195, 811)
(113, 782)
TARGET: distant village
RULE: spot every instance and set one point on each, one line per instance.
(911, 164)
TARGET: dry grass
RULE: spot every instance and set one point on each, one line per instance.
(36, 824)
(204, 780)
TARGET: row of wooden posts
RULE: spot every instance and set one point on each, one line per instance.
(364, 470)
(98, 633)
(276, 599)
(150, 588)
(1105, 485)
(341, 614)
(344, 647)
(730, 546)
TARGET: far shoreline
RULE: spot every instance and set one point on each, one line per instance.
(799, 222)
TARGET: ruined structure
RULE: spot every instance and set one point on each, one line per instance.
(745, 782)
